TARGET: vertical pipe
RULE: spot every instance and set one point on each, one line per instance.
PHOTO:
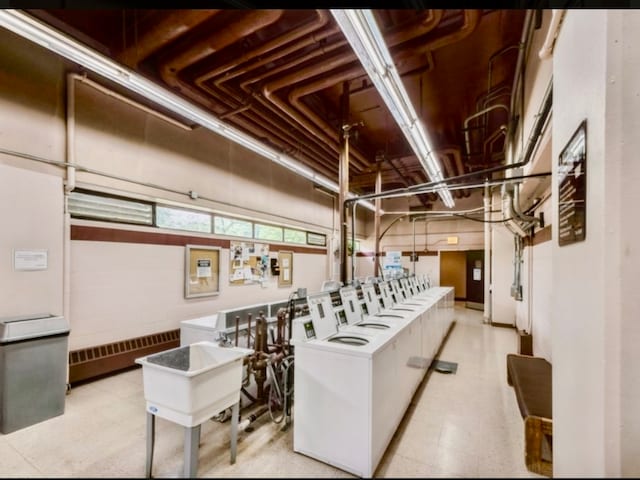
(69, 186)
(413, 256)
(353, 241)
(344, 183)
(249, 330)
(487, 253)
(376, 222)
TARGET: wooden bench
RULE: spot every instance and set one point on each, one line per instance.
(531, 381)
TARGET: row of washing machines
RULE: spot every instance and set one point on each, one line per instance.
(360, 355)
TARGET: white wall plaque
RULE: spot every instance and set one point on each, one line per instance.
(30, 259)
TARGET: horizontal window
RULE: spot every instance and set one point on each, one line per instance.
(267, 232)
(102, 207)
(98, 206)
(168, 217)
(233, 226)
(295, 236)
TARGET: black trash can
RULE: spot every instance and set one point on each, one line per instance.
(33, 369)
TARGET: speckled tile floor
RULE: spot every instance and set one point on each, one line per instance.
(465, 424)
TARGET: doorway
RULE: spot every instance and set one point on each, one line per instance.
(453, 272)
(464, 271)
(475, 279)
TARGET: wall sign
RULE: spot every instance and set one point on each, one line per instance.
(572, 188)
(285, 260)
(30, 260)
(202, 271)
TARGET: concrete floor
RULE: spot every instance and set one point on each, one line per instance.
(465, 424)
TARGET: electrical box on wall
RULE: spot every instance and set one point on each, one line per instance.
(452, 240)
(275, 268)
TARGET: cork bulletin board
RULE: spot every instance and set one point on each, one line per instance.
(285, 261)
(202, 271)
(249, 263)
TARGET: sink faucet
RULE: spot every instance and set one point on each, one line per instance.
(223, 340)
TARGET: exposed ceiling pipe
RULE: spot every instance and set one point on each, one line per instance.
(309, 28)
(161, 33)
(488, 143)
(171, 77)
(455, 152)
(477, 114)
(549, 42)
(321, 131)
(324, 145)
(471, 19)
(197, 49)
(258, 130)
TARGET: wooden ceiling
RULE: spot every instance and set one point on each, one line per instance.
(289, 78)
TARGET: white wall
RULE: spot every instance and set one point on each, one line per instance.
(595, 305)
(624, 340)
(32, 212)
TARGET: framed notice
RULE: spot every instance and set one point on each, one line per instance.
(202, 271)
(572, 188)
(285, 261)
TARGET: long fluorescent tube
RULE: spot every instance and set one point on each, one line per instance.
(51, 39)
(362, 32)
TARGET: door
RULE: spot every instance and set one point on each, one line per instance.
(453, 272)
(475, 279)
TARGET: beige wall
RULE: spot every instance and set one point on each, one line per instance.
(121, 290)
(32, 219)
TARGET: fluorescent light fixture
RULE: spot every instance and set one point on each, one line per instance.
(362, 32)
(51, 39)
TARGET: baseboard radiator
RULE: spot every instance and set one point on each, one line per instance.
(92, 362)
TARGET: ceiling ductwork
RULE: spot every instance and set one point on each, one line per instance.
(281, 77)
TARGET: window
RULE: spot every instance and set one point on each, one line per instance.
(267, 232)
(233, 227)
(168, 217)
(101, 207)
(316, 239)
(295, 236)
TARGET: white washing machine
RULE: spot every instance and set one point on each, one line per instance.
(356, 318)
(351, 388)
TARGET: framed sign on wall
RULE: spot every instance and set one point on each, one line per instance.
(285, 261)
(202, 271)
(572, 188)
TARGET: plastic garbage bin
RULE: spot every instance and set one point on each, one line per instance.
(33, 369)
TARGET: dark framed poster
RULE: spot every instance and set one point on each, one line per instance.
(572, 188)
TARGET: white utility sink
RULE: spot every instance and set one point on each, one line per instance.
(192, 383)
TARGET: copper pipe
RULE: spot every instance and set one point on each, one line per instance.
(282, 40)
(321, 129)
(321, 20)
(198, 49)
(207, 102)
(249, 330)
(162, 32)
(425, 25)
(455, 152)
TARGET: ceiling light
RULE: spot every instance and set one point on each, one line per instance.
(51, 39)
(362, 32)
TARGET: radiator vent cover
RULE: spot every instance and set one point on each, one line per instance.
(92, 362)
